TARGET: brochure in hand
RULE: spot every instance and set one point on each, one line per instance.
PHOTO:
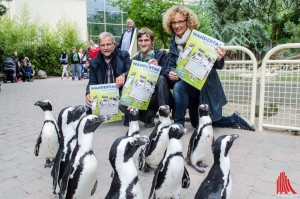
(140, 85)
(198, 58)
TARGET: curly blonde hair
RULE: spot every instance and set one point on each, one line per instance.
(191, 18)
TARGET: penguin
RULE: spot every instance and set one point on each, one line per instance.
(125, 181)
(80, 177)
(134, 128)
(201, 140)
(187, 51)
(218, 183)
(49, 137)
(171, 174)
(154, 151)
(68, 119)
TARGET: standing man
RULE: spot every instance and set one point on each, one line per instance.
(75, 59)
(126, 37)
(162, 94)
(111, 65)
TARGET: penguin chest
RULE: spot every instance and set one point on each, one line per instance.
(50, 142)
(158, 152)
(171, 186)
(203, 146)
(85, 175)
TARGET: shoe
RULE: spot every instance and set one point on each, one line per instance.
(150, 122)
(240, 122)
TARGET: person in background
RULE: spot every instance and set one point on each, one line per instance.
(179, 22)
(30, 72)
(111, 65)
(18, 72)
(126, 37)
(75, 59)
(80, 62)
(162, 94)
(15, 57)
(92, 43)
(64, 61)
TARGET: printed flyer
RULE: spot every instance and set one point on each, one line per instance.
(198, 58)
(140, 85)
(105, 101)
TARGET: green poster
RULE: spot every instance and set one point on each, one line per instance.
(140, 85)
(197, 59)
(105, 101)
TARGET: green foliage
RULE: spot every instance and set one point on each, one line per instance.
(3, 10)
(40, 43)
(148, 14)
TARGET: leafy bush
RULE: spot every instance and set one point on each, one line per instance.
(40, 43)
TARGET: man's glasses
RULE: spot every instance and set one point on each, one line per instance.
(178, 22)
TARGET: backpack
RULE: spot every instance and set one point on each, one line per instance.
(94, 51)
(75, 57)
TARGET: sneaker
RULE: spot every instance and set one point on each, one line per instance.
(150, 123)
(240, 122)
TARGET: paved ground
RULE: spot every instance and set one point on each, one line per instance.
(257, 158)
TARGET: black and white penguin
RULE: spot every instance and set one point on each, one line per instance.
(67, 121)
(125, 181)
(80, 177)
(49, 137)
(218, 183)
(134, 128)
(154, 151)
(201, 140)
(171, 174)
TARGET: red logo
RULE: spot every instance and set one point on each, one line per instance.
(283, 185)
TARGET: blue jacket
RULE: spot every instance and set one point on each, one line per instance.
(212, 92)
(120, 64)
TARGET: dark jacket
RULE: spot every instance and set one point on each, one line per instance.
(120, 64)
(212, 92)
(72, 60)
(162, 60)
(120, 43)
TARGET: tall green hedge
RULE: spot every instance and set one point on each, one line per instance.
(42, 44)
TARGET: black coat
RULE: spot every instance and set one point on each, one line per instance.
(120, 64)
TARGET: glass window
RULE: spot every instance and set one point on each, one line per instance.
(125, 17)
(95, 29)
(95, 4)
(113, 17)
(116, 30)
(95, 16)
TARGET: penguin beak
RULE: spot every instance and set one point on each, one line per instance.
(38, 103)
(234, 137)
(185, 131)
(103, 118)
(142, 140)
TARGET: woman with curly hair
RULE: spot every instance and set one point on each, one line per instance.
(179, 22)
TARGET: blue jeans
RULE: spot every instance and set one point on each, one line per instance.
(185, 96)
(76, 70)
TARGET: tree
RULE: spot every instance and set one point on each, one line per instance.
(148, 14)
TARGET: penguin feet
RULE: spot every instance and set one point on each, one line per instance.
(201, 164)
(48, 164)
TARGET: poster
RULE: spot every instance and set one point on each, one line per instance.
(140, 85)
(198, 58)
(105, 101)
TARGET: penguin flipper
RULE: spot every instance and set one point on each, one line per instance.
(185, 179)
(56, 168)
(37, 145)
(94, 188)
(65, 179)
(156, 173)
(141, 159)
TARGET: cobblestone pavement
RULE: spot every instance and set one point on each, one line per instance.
(257, 158)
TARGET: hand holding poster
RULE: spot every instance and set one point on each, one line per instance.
(198, 58)
(105, 101)
(140, 85)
